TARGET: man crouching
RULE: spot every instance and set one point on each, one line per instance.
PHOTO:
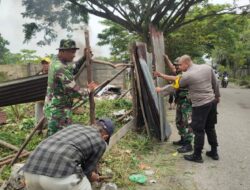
(67, 160)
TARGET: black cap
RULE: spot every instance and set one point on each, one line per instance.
(107, 125)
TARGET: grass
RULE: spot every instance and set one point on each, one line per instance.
(125, 157)
(3, 76)
(135, 150)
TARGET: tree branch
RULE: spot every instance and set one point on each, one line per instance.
(199, 18)
(161, 14)
(180, 15)
(107, 15)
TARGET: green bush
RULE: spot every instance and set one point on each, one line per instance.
(244, 83)
(3, 76)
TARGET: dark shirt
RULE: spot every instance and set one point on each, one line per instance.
(73, 150)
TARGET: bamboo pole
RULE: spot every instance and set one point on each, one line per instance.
(111, 64)
(101, 86)
(124, 94)
(10, 146)
(7, 157)
(125, 115)
(90, 79)
(11, 159)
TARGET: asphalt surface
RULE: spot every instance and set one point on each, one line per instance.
(232, 171)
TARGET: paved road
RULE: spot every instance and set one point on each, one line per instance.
(232, 171)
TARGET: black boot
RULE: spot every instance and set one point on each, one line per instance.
(180, 142)
(213, 153)
(185, 148)
(195, 157)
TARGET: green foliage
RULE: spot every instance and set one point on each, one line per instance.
(244, 81)
(3, 76)
(107, 107)
(27, 123)
(119, 39)
(135, 16)
(3, 48)
(225, 38)
(48, 15)
(25, 56)
(233, 43)
(16, 113)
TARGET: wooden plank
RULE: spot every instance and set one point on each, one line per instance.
(90, 79)
(121, 133)
(135, 102)
(158, 49)
(139, 85)
(110, 64)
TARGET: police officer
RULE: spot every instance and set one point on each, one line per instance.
(62, 87)
(205, 95)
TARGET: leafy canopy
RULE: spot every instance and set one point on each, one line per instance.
(135, 16)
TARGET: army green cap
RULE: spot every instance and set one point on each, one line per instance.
(67, 44)
(176, 61)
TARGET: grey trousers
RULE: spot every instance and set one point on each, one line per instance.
(40, 182)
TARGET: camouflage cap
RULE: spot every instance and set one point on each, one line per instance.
(176, 61)
(67, 44)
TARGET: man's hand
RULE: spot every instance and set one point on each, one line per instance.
(88, 50)
(166, 57)
(157, 74)
(158, 89)
(217, 99)
(94, 177)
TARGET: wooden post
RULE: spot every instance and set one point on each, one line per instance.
(90, 79)
(133, 85)
(158, 49)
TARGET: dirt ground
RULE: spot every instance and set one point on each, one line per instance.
(231, 172)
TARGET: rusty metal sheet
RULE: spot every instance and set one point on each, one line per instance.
(149, 96)
(23, 90)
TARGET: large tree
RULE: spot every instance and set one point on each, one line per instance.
(167, 15)
(225, 38)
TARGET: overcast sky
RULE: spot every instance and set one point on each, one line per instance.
(11, 28)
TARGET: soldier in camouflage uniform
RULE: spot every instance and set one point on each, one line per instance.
(183, 110)
(62, 87)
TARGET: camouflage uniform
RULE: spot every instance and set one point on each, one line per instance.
(183, 115)
(61, 91)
